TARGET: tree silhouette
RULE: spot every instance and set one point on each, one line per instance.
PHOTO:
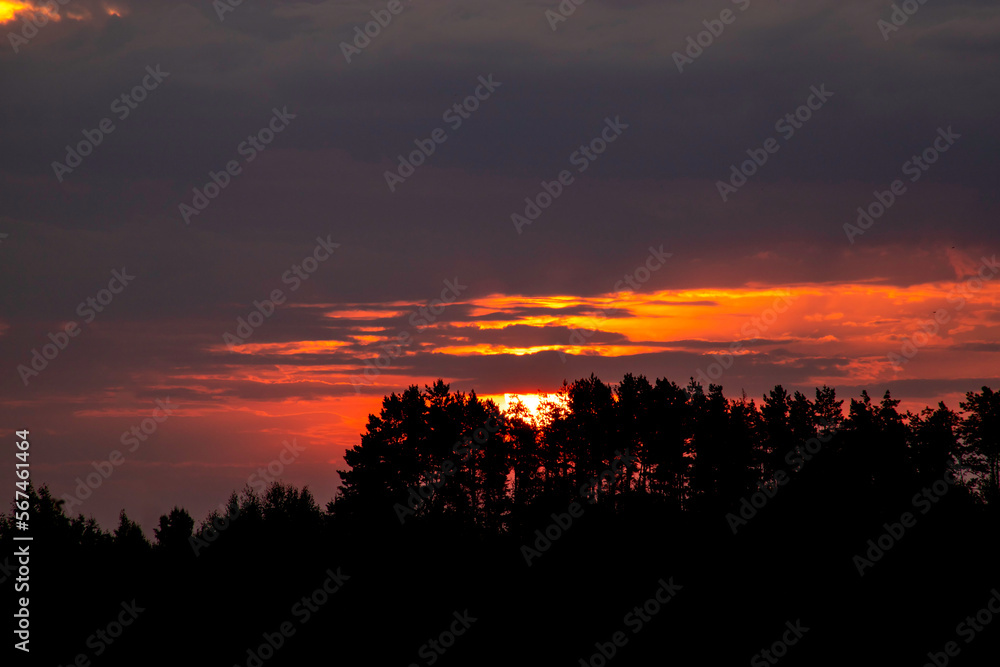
(174, 531)
(666, 452)
(129, 538)
(933, 442)
(481, 496)
(981, 430)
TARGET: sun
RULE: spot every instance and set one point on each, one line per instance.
(534, 403)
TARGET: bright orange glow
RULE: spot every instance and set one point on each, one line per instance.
(113, 10)
(531, 321)
(322, 391)
(845, 332)
(237, 407)
(604, 350)
(860, 322)
(534, 403)
(9, 11)
(362, 314)
(298, 347)
(368, 339)
(13, 10)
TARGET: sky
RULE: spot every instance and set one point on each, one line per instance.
(503, 195)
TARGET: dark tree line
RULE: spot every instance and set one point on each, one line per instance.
(692, 449)
(693, 455)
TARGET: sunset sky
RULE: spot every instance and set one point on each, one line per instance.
(636, 260)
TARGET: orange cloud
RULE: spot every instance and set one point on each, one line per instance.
(856, 325)
(10, 11)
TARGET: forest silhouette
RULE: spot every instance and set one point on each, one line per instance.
(550, 529)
